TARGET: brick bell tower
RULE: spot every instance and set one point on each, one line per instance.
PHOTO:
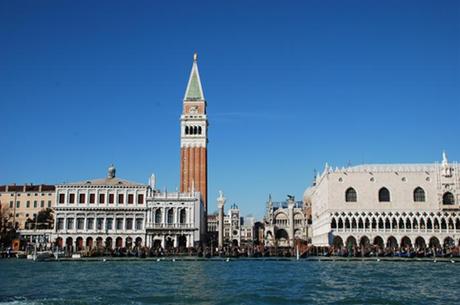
(194, 138)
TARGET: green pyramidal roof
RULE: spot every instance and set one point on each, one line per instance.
(194, 90)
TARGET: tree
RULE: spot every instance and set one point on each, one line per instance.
(43, 220)
(7, 230)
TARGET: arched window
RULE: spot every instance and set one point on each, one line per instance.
(350, 195)
(448, 198)
(195, 130)
(384, 195)
(419, 195)
(170, 216)
(158, 216)
(199, 129)
(333, 224)
(182, 216)
(186, 129)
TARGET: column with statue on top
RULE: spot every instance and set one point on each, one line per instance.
(220, 205)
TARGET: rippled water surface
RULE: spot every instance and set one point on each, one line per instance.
(235, 282)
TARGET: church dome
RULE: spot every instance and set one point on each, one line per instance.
(307, 195)
(111, 172)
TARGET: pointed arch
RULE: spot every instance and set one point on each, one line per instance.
(353, 223)
(401, 225)
(429, 224)
(333, 224)
(443, 224)
(387, 223)
(436, 224)
(384, 195)
(360, 223)
(408, 223)
(415, 223)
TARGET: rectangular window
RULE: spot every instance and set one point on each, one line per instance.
(99, 223)
(139, 222)
(18, 204)
(80, 223)
(35, 204)
(101, 198)
(92, 198)
(69, 223)
(28, 204)
(49, 203)
(111, 198)
(119, 223)
(130, 198)
(60, 223)
(109, 223)
(61, 198)
(90, 223)
(82, 198)
(140, 198)
(71, 198)
(42, 203)
(121, 199)
(129, 223)
(11, 204)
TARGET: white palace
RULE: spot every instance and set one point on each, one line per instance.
(115, 213)
(397, 205)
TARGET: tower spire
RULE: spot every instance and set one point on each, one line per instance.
(194, 91)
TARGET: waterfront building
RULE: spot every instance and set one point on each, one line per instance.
(111, 213)
(194, 138)
(174, 219)
(393, 205)
(100, 213)
(285, 222)
(25, 201)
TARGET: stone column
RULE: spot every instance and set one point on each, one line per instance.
(220, 205)
(291, 203)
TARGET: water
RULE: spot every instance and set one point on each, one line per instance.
(235, 282)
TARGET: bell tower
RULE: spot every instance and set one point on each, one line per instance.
(194, 137)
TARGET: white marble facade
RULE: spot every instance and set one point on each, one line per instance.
(116, 213)
(394, 205)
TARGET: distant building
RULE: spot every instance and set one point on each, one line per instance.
(238, 230)
(387, 205)
(25, 201)
(285, 222)
(247, 230)
(232, 226)
(213, 222)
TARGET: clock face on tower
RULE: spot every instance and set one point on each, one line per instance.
(193, 110)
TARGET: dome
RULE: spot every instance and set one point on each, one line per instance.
(111, 172)
(307, 195)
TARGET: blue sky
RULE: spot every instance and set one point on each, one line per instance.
(290, 85)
